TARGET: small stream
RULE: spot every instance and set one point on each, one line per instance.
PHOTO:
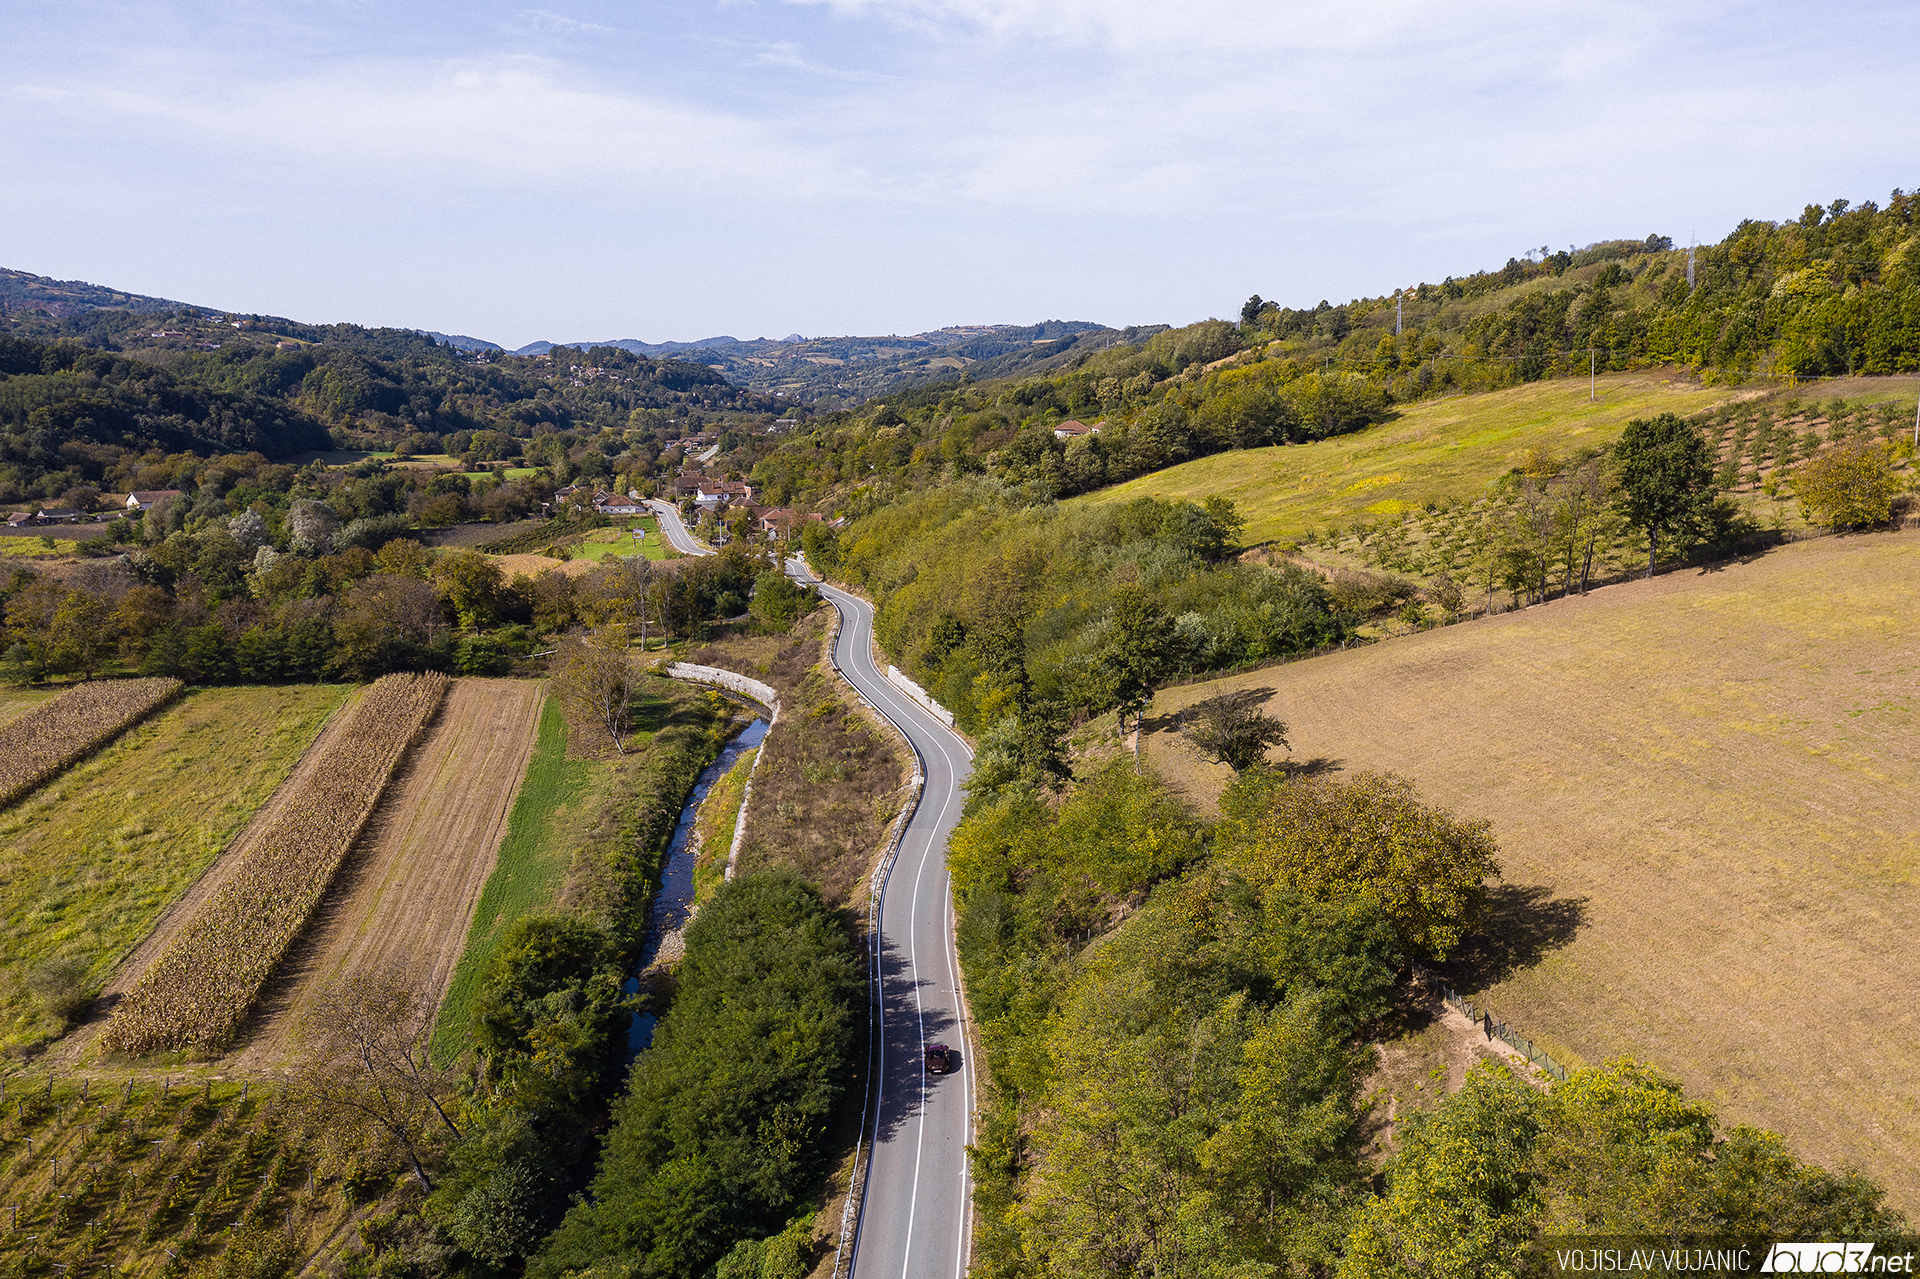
(673, 904)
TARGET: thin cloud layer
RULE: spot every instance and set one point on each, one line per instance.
(886, 165)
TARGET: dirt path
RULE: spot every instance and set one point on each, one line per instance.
(407, 892)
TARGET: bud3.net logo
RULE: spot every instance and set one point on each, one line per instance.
(1833, 1259)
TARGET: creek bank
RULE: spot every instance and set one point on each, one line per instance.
(672, 907)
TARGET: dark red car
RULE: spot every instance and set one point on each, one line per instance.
(939, 1059)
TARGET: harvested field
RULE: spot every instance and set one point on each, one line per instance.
(200, 989)
(1701, 786)
(534, 565)
(91, 860)
(403, 901)
(37, 745)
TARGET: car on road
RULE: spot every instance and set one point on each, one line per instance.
(939, 1059)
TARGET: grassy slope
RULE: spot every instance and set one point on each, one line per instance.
(15, 702)
(719, 814)
(1700, 785)
(88, 862)
(1438, 448)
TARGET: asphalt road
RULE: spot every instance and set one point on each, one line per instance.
(913, 1220)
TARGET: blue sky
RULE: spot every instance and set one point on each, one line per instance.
(759, 167)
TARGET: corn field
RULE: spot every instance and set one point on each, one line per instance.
(86, 717)
(200, 990)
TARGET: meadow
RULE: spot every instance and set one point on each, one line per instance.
(90, 861)
(600, 543)
(1700, 788)
(1435, 450)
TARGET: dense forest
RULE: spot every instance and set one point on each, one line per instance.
(85, 399)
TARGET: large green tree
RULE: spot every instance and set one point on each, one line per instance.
(1665, 476)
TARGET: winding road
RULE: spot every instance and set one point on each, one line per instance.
(913, 1218)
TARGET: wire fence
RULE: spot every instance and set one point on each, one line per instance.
(1495, 1027)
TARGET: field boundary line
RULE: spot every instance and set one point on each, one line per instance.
(1495, 1027)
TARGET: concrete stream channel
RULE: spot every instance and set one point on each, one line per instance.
(673, 907)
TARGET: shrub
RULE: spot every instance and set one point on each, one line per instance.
(1368, 837)
(1851, 487)
(1357, 593)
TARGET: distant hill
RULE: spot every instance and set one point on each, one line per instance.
(24, 291)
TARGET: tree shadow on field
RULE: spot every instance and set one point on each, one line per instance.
(1524, 923)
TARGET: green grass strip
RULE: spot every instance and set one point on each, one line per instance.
(527, 877)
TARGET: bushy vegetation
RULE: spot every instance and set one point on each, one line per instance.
(209, 607)
(998, 605)
(1177, 1022)
(1616, 1150)
(720, 1138)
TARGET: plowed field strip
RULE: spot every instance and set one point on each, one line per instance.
(404, 899)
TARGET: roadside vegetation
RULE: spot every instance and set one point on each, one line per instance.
(832, 778)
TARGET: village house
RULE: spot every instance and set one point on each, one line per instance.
(1072, 428)
(605, 503)
(143, 499)
(714, 492)
(780, 524)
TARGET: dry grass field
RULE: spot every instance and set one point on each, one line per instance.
(91, 860)
(1703, 787)
(15, 702)
(404, 898)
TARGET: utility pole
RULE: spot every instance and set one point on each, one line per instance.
(1690, 249)
(1916, 427)
(1593, 376)
(1396, 314)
